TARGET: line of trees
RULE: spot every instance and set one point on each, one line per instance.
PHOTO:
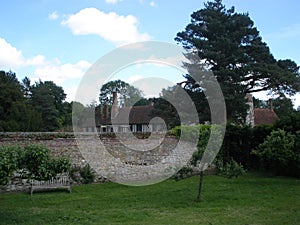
(226, 41)
(32, 107)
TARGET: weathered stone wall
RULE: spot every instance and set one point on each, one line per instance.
(65, 144)
(59, 144)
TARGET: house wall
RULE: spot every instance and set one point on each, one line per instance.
(135, 128)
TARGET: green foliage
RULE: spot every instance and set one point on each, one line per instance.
(230, 169)
(128, 94)
(232, 48)
(184, 172)
(37, 162)
(280, 153)
(83, 174)
(204, 134)
(236, 144)
(166, 111)
(32, 161)
(9, 162)
(47, 99)
(290, 122)
(37, 107)
(60, 165)
(16, 114)
(87, 174)
(175, 131)
(186, 132)
(40, 165)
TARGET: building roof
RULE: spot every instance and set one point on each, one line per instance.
(264, 116)
(137, 115)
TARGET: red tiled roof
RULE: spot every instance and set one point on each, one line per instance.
(264, 116)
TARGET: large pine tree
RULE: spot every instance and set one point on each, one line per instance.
(229, 44)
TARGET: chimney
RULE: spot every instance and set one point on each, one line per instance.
(100, 113)
(115, 107)
(271, 104)
(106, 111)
(151, 102)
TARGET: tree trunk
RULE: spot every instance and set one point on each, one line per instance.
(200, 187)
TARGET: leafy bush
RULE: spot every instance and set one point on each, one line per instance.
(36, 161)
(60, 165)
(289, 123)
(230, 169)
(236, 144)
(9, 162)
(280, 153)
(33, 161)
(87, 174)
(40, 165)
(184, 172)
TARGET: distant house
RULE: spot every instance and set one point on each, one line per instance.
(138, 120)
(264, 116)
(259, 116)
(124, 119)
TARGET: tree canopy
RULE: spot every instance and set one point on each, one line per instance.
(128, 94)
(32, 107)
(228, 43)
(47, 98)
(15, 112)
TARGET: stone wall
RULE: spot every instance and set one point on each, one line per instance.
(59, 144)
(65, 144)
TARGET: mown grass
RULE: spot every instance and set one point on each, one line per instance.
(250, 199)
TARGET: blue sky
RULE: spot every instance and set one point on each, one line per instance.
(59, 40)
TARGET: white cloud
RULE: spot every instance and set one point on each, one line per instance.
(112, 1)
(110, 26)
(46, 70)
(153, 4)
(59, 73)
(53, 16)
(36, 61)
(10, 57)
(134, 78)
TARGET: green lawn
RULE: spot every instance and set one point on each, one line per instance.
(246, 200)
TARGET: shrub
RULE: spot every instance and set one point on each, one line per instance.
(39, 165)
(184, 172)
(60, 165)
(36, 162)
(279, 153)
(32, 161)
(10, 161)
(87, 174)
(236, 144)
(230, 169)
(289, 123)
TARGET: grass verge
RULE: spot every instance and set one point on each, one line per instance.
(251, 199)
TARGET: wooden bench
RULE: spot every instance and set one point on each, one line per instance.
(58, 182)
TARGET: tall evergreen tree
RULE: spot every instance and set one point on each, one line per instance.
(15, 112)
(228, 43)
(47, 98)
